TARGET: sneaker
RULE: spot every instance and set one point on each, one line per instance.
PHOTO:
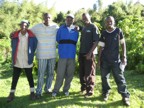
(105, 96)
(126, 101)
(10, 97)
(49, 91)
(88, 95)
(66, 93)
(38, 96)
(54, 94)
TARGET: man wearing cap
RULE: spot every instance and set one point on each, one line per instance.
(67, 37)
(23, 43)
(46, 52)
(88, 43)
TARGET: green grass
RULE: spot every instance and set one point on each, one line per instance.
(75, 100)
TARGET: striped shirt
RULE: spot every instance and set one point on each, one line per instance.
(46, 36)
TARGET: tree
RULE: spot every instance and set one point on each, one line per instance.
(60, 18)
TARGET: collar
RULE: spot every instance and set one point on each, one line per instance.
(111, 31)
(21, 35)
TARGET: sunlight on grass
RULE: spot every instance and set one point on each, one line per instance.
(75, 99)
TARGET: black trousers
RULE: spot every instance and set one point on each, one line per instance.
(16, 75)
(106, 69)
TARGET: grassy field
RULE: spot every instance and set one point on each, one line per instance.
(75, 100)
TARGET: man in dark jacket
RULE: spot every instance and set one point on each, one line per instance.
(88, 43)
(23, 45)
(110, 59)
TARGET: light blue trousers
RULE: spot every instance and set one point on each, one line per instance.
(45, 67)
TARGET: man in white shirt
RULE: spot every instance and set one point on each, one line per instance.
(46, 52)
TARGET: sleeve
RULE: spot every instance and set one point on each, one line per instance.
(58, 35)
(95, 34)
(35, 43)
(122, 40)
(33, 29)
(102, 40)
(77, 35)
(57, 27)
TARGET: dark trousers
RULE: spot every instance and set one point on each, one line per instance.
(16, 74)
(118, 75)
(87, 73)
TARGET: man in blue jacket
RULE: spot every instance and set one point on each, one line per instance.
(23, 45)
(67, 37)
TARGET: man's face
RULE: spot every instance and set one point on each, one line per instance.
(47, 18)
(85, 19)
(69, 21)
(23, 26)
(110, 22)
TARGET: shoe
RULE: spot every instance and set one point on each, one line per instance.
(66, 93)
(49, 91)
(54, 94)
(105, 96)
(88, 95)
(126, 101)
(10, 97)
(38, 96)
(32, 96)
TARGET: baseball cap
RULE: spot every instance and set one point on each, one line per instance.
(70, 15)
(25, 21)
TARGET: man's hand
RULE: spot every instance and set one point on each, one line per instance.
(88, 56)
(77, 28)
(124, 60)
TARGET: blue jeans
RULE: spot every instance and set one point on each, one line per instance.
(45, 67)
(118, 75)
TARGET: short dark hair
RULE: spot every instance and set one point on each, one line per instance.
(110, 17)
(46, 14)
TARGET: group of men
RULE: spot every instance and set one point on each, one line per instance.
(42, 38)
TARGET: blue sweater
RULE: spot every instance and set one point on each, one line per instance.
(32, 45)
(67, 42)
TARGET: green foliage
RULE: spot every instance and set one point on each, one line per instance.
(133, 30)
(129, 17)
(5, 51)
(60, 19)
(140, 67)
(78, 17)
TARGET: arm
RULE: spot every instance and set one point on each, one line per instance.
(99, 55)
(123, 45)
(95, 41)
(124, 59)
(89, 54)
(58, 36)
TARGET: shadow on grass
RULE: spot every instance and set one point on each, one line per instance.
(5, 71)
(134, 80)
(74, 100)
